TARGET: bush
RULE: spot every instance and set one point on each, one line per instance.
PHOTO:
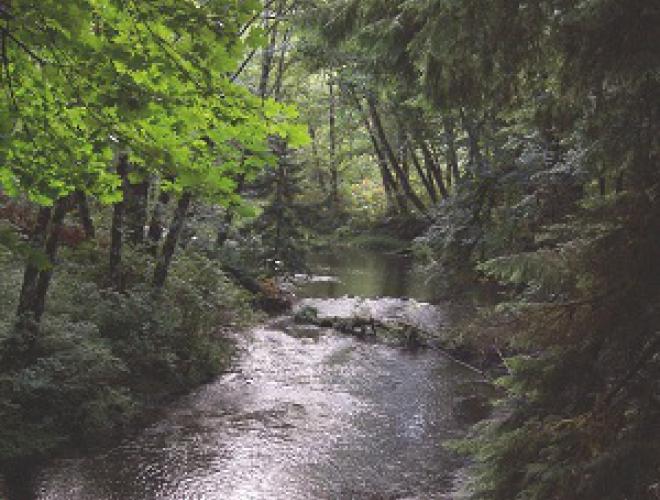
(102, 356)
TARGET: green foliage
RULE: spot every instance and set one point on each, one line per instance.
(92, 78)
(557, 202)
(72, 389)
(102, 355)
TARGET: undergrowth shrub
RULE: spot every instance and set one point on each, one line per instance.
(102, 355)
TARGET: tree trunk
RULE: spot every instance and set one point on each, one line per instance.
(62, 206)
(389, 184)
(155, 232)
(452, 157)
(472, 130)
(277, 90)
(389, 153)
(427, 181)
(619, 183)
(169, 246)
(31, 273)
(135, 201)
(267, 54)
(434, 168)
(84, 214)
(320, 176)
(334, 174)
(117, 229)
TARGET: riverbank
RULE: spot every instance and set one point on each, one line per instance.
(295, 384)
(104, 361)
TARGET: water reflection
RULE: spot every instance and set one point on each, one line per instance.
(367, 274)
(310, 415)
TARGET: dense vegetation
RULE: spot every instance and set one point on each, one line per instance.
(152, 153)
(120, 121)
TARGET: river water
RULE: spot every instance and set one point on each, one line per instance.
(306, 413)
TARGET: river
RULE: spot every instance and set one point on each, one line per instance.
(306, 413)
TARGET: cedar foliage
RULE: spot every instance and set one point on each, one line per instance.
(557, 116)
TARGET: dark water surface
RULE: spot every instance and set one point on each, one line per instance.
(367, 274)
(307, 414)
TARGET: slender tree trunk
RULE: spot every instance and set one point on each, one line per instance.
(389, 153)
(474, 150)
(31, 273)
(389, 184)
(427, 181)
(334, 173)
(62, 206)
(223, 229)
(320, 177)
(434, 168)
(452, 156)
(155, 232)
(84, 214)
(136, 201)
(267, 55)
(277, 91)
(169, 246)
(117, 228)
(619, 183)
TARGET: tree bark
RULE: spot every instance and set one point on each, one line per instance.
(427, 181)
(389, 153)
(169, 246)
(434, 168)
(135, 199)
(267, 54)
(62, 206)
(84, 214)
(389, 183)
(277, 89)
(452, 157)
(155, 232)
(472, 131)
(31, 273)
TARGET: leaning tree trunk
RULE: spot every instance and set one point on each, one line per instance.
(426, 180)
(389, 153)
(62, 206)
(169, 246)
(434, 168)
(36, 278)
(389, 183)
(474, 151)
(452, 156)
